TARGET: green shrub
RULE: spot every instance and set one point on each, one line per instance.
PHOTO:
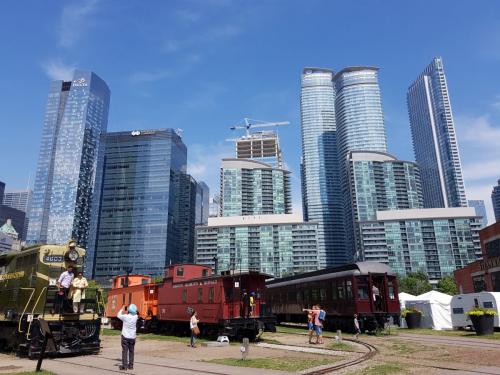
(480, 311)
(409, 310)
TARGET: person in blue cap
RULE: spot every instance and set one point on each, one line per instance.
(129, 329)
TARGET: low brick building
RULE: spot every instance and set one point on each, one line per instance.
(483, 274)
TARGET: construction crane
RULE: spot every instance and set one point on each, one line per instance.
(252, 124)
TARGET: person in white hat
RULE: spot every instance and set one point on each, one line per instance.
(128, 335)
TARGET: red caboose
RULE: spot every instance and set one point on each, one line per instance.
(229, 304)
(136, 289)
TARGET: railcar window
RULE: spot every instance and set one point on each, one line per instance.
(211, 293)
(362, 291)
(392, 295)
(306, 295)
(334, 291)
(322, 295)
(349, 289)
(341, 290)
(184, 295)
(200, 295)
(129, 298)
(315, 295)
(299, 296)
(180, 271)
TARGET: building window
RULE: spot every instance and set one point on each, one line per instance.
(479, 284)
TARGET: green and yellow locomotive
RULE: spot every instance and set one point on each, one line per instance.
(29, 292)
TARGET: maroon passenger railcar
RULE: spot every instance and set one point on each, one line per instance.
(218, 299)
(368, 289)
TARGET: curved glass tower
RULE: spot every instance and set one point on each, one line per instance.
(321, 192)
(70, 160)
(360, 127)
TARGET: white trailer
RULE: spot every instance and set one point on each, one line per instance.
(462, 303)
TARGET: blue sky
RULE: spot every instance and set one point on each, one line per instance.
(204, 65)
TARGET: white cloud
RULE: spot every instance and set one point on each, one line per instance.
(204, 162)
(75, 21)
(480, 154)
(144, 77)
(57, 70)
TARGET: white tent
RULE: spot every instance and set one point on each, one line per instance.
(403, 297)
(436, 309)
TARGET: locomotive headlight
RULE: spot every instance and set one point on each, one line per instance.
(72, 255)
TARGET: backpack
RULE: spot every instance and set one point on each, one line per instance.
(322, 315)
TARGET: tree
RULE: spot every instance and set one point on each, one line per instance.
(415, 283)
(447, 285)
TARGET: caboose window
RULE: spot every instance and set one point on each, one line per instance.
(200, 295)
(211, 293)
(180, 271)
(184, 295)
(204, 273)
(341, 290)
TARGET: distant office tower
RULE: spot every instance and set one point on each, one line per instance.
(249, 187)
(2, 189)
(278, 245)
(20, 200)
(261, 146)
(480, 209)
(185, 208)
(70, 160)
(379, 182)
(321, 191)
(139, 225)
(360, 127)
(434, 140)
(436, 241)
(202, 203)
(8, 237)
(495, 198)
(214, 209)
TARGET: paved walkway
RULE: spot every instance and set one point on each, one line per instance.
(100, 364)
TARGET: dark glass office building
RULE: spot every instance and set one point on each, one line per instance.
(139, 226)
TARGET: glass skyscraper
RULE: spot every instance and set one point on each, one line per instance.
(480, 209)
(70, 160)
(202, 203)
(434, 139)
(278, 245)
(250, 187)
(379, 182)
(139, 225)
(495, 199)
(436, 241)
(321, 191)
(360, 127)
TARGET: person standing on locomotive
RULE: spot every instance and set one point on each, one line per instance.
(64, 283)
(129, 332)
(78, 287)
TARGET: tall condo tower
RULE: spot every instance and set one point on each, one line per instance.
(70, 160)
(360, 127)
(434, 140)
(321, 192)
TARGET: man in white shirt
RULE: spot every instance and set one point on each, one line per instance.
(64, 283)
(129, 329)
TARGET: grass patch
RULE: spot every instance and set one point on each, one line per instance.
(344, 346)
(111, 332)
(382, 369)
(453, 333)
(402, 347)
(273, 363)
